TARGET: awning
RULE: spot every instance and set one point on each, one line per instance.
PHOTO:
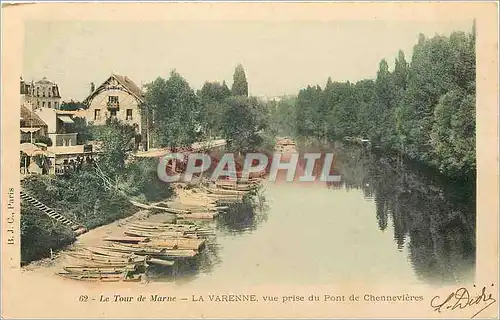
(28, 130)
(65, 119)
(31, 149)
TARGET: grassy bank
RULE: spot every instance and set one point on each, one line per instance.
(82, 197)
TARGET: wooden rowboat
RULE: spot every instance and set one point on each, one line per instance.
(104, 252)
(142, 233)
(99, 270)
(169, 226)
(161, 262)
(174, 243)
(95, 258)
(151, 252)
(198, 216)
(101, 277)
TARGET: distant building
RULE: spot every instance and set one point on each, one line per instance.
(41, 94)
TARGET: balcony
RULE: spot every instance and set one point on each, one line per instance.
(63, 139)
(113, 105)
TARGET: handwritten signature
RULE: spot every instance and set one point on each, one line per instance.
(462, 299)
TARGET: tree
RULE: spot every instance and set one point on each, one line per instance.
(213, 92)
(240, 84)
(424, 109)
(116, 140)
(175, 109)
(44, 139)
(244, 119)
(83, 130)
(72, 105)
(453, 133)
(212, 96)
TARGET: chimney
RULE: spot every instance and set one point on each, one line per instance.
(92, 87)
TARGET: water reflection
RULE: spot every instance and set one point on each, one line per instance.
(385, 219)
(242, 217)
(433, 217)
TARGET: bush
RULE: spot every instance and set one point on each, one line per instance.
(44, 139)
(82, 197)
(39, 235)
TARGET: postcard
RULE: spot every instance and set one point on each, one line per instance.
(250, 160)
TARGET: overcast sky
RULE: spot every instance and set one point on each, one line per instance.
(278, 57)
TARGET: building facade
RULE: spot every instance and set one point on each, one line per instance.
(116, 98)
(41, 94)
(60, 125)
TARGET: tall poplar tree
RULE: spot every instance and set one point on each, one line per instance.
(240, 84)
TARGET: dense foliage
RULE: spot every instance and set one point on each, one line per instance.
(240, 83)
(182, 117)
(72, 105)
(424, 109)
(84, 197)
(175, 109)
(44, 139)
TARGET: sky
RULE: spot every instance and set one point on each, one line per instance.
(278, 57)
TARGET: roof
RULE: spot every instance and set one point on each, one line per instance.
(80, 113)
(130, 85)
(125, 81)
(31, 149)
(44, 81)
(31, 118)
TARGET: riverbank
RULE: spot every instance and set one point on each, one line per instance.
(94, 237)
(148, 230)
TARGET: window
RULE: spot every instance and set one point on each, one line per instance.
(43, 93)
(37, 92)
(129, 114)
(49, 104)
(113, 99)
(55, 105)
(38, 104)
(97, 114)
(113, 113)
(43, 104)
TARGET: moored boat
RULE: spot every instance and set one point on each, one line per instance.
(102, 277)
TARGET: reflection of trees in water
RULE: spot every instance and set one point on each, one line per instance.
(436, 215)
(242, 217)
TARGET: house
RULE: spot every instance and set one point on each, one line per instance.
(116, 98)
(31, 125)
(60, 126)
(41, 94)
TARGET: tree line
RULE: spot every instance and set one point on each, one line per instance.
(179, 116)
(423, 109)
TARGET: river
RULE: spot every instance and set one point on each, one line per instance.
(385, 221)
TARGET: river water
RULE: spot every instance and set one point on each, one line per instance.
(385, 220)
